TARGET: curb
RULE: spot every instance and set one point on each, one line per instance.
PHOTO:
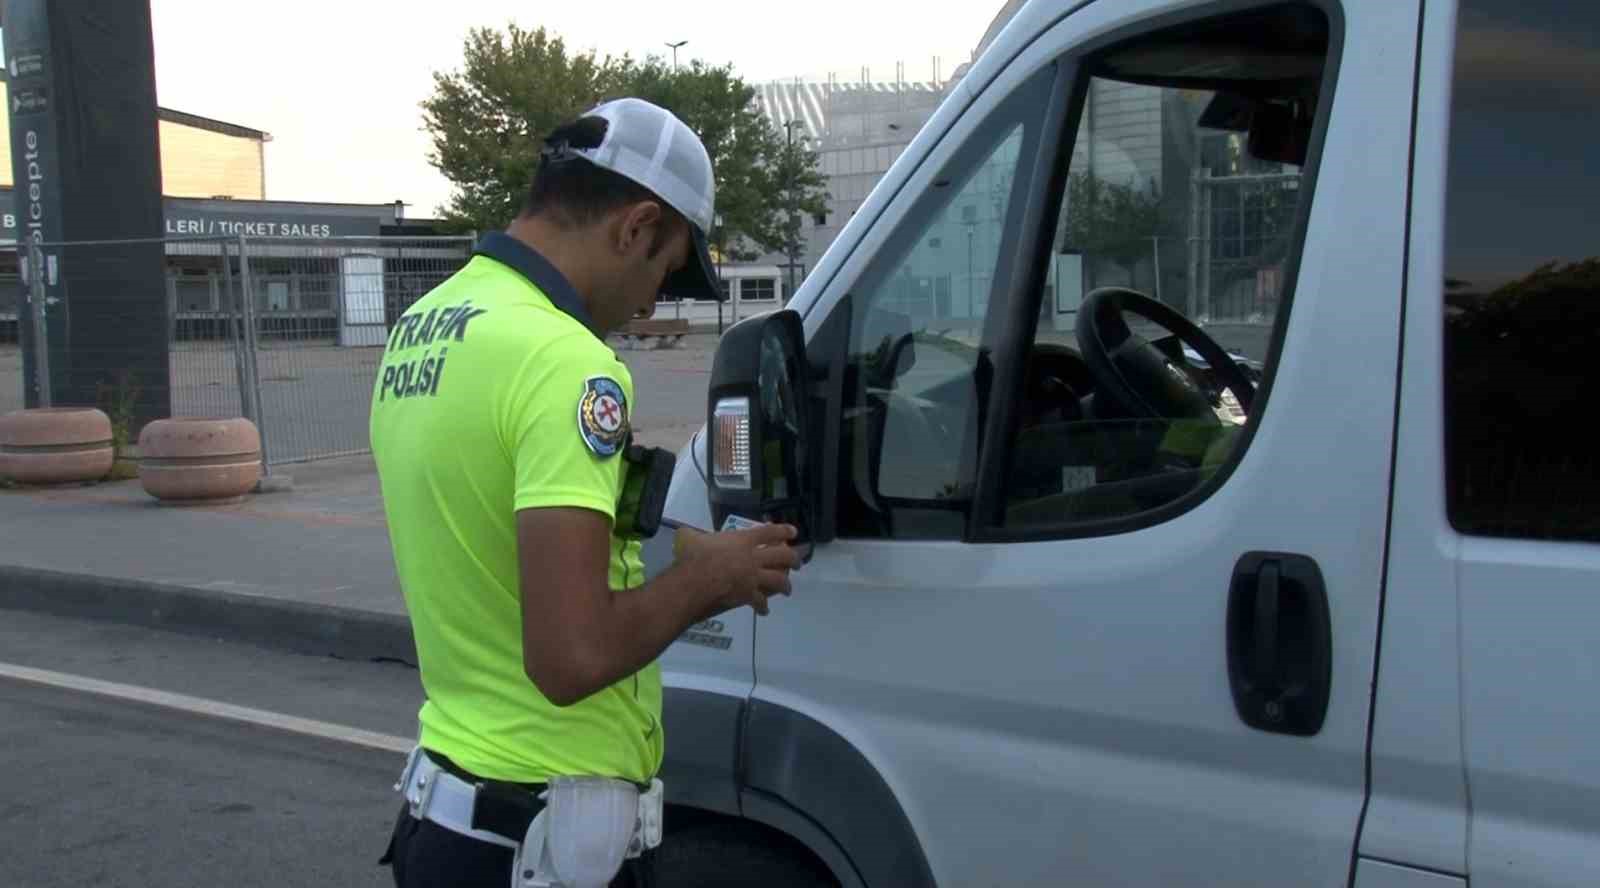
(294, 626)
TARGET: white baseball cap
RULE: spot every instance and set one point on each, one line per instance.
(651, 146)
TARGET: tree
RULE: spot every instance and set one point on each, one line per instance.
(798, 189)
(762, 181)
(1106, 220)
(1518, 360)
(488, 118)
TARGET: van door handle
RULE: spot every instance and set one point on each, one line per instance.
(1279, 644)
(1266, 654)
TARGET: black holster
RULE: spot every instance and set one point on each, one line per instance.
(647, 477)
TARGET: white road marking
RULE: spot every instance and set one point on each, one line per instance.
(208, 708)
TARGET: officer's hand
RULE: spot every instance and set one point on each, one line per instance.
(743, 566)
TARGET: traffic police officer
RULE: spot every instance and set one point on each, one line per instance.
(500, 427)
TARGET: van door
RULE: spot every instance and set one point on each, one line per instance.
(1519, 313)
(1102, 604)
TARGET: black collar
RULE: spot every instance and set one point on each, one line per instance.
(526, 261)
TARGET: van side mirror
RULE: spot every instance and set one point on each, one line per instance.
(757, 453)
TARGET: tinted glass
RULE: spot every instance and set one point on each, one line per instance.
(1522, 270)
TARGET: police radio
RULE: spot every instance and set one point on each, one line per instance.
(647, 478)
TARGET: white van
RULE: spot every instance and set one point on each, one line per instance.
(1063, 621)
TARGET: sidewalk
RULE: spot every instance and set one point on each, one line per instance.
(325, 542)
(307, 569)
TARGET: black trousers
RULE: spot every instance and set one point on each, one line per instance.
(423, 854)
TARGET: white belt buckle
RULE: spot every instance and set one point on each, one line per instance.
(406, 772)
(425, 798)
(647, 829)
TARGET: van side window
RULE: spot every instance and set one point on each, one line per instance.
(1180, 223)
(914, 379)
(1522, 272)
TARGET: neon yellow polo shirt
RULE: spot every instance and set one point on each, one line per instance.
(493, 396)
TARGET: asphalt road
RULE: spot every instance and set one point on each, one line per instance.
(100, 791)
(103, 793)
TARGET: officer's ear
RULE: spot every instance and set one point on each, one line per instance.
(637, 225)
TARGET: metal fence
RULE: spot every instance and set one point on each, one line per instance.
(285, 332)
(11, 296)
(320, 313)
(1242, 229)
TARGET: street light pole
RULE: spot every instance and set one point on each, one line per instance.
(716, 223)
(674, 47)
(794, 224)
(969, 218)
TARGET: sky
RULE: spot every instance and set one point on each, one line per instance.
(338, 82)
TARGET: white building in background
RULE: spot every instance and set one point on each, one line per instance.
(1130, 135)
(859, 125)
(858, 129)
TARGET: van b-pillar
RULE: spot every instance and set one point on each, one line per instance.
(86, 166)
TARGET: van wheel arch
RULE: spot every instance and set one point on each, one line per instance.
(732, 760)
(708, 848)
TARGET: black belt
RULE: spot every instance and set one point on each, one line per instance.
(501, 807)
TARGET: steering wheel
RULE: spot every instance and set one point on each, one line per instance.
(1139, 379)
(1048, 393)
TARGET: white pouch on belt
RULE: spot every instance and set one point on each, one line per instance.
(589, 825)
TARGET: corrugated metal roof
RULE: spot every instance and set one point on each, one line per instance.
(810, 102)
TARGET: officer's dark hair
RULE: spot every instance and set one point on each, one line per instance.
(574, 193)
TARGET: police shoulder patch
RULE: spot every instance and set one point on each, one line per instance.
(603, 416)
